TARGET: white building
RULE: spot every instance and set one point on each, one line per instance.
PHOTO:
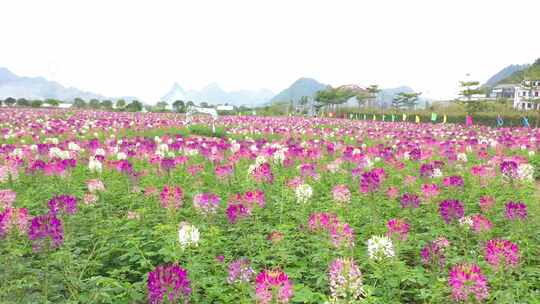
(528, 91)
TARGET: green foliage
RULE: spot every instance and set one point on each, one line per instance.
(179, 106)
(107, 104)
(204, 130)
(134, 106)
(10, 101)
(120, 104)
(530, 73)
(36, 103)
(405, 100)
(79, 103)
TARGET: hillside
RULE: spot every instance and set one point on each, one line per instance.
(531, 72)
(504, 74)
(301, 87)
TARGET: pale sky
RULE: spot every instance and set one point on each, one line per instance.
(139, 48)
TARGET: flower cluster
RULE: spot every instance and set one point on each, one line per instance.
(503, 252)
(341, 194)
(409, 200)
(207, 203)
(65, 203)
(451, 210)
(397, 228)
(273, 286)
(433, 253)
(345, 281)
(240, 271)
(341, 234)
(168, 284)
(46, 232)
(516, 211)
(303, 193)
(380, 247)
(171, 197)
(467, 280)
(12, 218)
(188, 235)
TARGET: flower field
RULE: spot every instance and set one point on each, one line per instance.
(104, 207)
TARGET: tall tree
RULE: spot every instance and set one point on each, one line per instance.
(52, 102)
(468, 90)
(36, 103)
(94, 103)
(79, 103)
(373, 91)
(23, 102)
(134, 106)
(10, 101)
(336, 96)
(106, 104)
(405, 100)
(179, 106)
(120, 104)
(161, 106)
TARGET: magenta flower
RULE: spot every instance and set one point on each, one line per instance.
(341, 235)
(397, 228)
(254, 197)
(516, 211)
(65, 203)
(171, 197)
(322, 221)
(341, 194)
(263, 173)
(392, 192)
(433, 253)
(168, 284)
(503, 252)
(453, 181)
(13, 218)
(480, 223)
(240, 271)
(430, 190)
(7, 198)
(223, 172)
(486, 203)
(273, 285)
(46, 231)
(467, 280)
(206, 203)
(236, 211)
(451, 210)
(409, 200)
(509, 169)
(370, 182)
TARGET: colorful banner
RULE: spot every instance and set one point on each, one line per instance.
(417, 119)
(444, 119)
(404, 116)
(433, 116)
(393, 117)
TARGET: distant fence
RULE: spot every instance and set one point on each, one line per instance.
(487, 119)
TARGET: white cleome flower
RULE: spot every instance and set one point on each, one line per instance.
(526, 172)
(121, 156)
(462, 157)
(188, 235)
(95, 165)
(303, 193)
(380, 247)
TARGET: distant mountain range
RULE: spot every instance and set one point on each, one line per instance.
(504, 74)
(214, 94)
(15, 86)
(309, 87)
(12, 85)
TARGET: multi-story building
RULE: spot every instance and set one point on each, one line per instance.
(526, 94)
(503, 91)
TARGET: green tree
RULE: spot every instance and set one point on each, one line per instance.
(36, 103)
(134, 106)
(120, 104)
(332, 97)
(303, 100)
(94, 103)
(23, 102)
(79, 103)
(373, 90)
(52, 102)
(179, 106)
(161, 106)
(10, 101)
(469, 89)
(107, 104)
(405, 100)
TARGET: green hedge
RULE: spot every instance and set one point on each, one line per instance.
(488, 119)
